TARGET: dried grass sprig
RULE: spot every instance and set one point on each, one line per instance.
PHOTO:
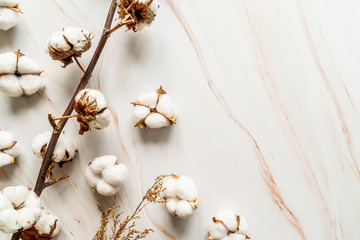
(125, 228)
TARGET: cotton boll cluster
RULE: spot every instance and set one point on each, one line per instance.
(9, 148)
(68, 43)
(106, 175)
(19, 75)
(92, 108)
(154, 110)
(9, 14)
(227, 225)
(137, 14)
(20, 208)
(181, 196)
(65, 149)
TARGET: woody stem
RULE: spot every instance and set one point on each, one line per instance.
(41, 179)
(120, 24)
(66, 117)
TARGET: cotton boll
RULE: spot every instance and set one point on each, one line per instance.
(100, 163)
(68, 43)
(64, 151)
(9, 84)
(228, 224)
(156, 120)
(181, 195)
(92, 107)
(171, 205)
(22, 75)
(93, 95)
(8, 18)
(154, 110)
(105, 188)
(186, 189)
(78, 37)
(183, 209)
(142, 12)
(229, 220)
(140, 112)
(46, 222)
(106, 175)
(115, 175)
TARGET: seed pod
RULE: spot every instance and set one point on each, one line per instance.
(154, 110)
(46, 227)
(106, 175)
(68, 43)
(91, 106)
(228, 225)
(19, 75)
(65, 149)
(181, 196)
(137, 13)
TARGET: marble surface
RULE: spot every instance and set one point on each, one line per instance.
(267, 92)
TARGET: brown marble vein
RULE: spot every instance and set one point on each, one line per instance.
(269, 179)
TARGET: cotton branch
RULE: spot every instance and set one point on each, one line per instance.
(47, 160)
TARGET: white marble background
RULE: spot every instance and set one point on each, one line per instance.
(267, 92)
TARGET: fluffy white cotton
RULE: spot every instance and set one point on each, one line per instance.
(156, 120)
(9, 148)
(68, 43)
(106, 175)
(46, 222)
(154, 7)
(77, 37)
(65, 149)
(19, 209)
(228, 225)
(103, 115)
(154, 110)
(20, 77)
(181, 196)
(8, 17)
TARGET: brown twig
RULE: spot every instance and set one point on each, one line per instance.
(40, 183)
(78, 63)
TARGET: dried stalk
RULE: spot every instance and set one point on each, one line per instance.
(125, 229)
(41, 180)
